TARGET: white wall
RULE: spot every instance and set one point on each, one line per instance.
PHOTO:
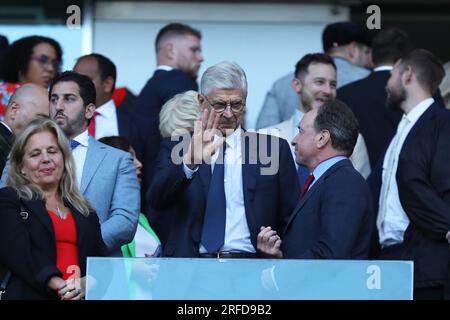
(266, 40)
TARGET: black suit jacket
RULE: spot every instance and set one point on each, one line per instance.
(334, 220)
(435, 111)
(161, 87)
(423, 177)
(367, 99)
(268, 199)
(6, 141)
(28, 247)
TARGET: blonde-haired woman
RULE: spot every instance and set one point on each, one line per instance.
(47, 228)
(177, 115)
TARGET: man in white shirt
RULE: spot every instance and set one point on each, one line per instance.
(413, 80)
(106, 176)
(108, 120)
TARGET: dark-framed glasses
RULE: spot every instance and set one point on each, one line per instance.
(235, 106)
(45, 61)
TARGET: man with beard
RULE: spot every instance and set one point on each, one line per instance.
(410, 87)
(225, 183)
(106, 176)
(178, 59)
(315, 83)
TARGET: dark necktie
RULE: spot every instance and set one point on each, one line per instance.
(213, 233)
(73, 144)
(306, 185)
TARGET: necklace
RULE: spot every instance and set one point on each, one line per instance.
(61, 214)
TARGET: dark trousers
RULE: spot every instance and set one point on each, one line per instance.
(394, 252)
(431, 293)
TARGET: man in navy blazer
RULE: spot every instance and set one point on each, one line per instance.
(410, 88)
(333, 218)
(178, 59)
(106, 176)
(224, 183)
(403, 182)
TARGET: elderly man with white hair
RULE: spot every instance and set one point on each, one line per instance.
(223, 183)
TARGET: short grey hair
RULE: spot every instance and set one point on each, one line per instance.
(179, 113)
(224, 75)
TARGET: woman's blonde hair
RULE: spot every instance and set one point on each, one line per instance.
(27, 190)
(177, 115)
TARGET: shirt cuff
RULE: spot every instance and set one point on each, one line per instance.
(189, 172)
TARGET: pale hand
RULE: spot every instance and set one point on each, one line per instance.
(202, 145)
(269, 243)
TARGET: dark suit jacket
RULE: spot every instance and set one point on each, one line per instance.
(435, 111)
(423, 177)
(161, 87)
(367, 99)
(334, 220)
(268, 199)
(6, 141)
(28, 250)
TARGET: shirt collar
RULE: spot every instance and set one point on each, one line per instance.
(383, 68)
(233, 139)
(83, 138)
(298, 116)
(325, 165)
(419, 109)
(107, 109)
(164, 67)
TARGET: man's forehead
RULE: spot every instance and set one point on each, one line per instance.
(321, 70)
(66, 87)
(226, 94)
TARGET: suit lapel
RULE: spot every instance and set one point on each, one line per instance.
(37, 207)
(250, 170)
(95, 154)
(123, 123)
(313, 189)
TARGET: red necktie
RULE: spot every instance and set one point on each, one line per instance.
(91, 128)
(306, 185)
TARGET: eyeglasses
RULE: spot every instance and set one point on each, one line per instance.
(45, 61)
(221, 106)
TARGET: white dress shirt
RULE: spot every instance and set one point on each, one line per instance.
(79, 154)
(106, 121)
(237, 232)
(392, 220)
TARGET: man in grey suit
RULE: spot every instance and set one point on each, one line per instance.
(349, 46)
(106, 176)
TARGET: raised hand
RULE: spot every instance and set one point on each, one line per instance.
(202, 145)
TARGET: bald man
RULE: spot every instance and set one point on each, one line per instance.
(26, 104)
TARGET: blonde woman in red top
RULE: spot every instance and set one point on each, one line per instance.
(47, 228)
